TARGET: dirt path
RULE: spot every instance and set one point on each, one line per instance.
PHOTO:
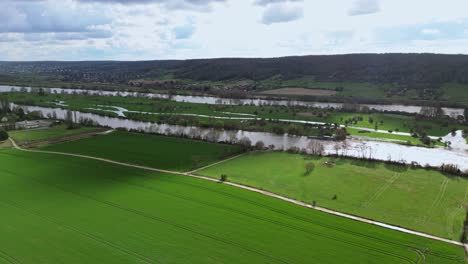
(216, 163)
(190, 174)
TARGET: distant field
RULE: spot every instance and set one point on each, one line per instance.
(22, 136)
(150, 150)
(300, 91)
(57, 209)
(392, 137)
(394, 122)
(456, 93)
(422, 200)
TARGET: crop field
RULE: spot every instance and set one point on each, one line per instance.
(58, 209)
(418, 199)
(162, 152)
(30, 135)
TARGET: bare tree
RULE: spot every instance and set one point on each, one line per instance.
(315, 147)
(337, 148)
(344, 147)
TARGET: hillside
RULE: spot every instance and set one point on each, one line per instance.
(411, 76)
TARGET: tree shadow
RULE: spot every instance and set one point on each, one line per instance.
(396, 167)
(364, 163)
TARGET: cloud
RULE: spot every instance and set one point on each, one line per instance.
(364, 7)
(198, 5)
(282, 13)
(267, 2)
(42, 17)
(184, 32)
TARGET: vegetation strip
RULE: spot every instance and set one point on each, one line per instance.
(325, 210)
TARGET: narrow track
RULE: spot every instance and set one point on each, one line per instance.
(190, 174)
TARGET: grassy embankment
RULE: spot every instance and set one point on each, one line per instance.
(418, 199)
(72, 210)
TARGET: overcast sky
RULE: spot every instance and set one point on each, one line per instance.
(184, 29)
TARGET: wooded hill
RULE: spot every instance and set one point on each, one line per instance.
(401, 69)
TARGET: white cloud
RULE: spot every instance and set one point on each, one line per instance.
(364, 7)
(75, 30)
(281, 13)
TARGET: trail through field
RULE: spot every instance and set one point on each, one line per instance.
(437, 200)
(381, 190)
(270, 194)
(461, 209)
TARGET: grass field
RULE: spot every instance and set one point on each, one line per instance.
(58, 209)
(409, 140)
(422, 200)
(162, 152)
(31, 135)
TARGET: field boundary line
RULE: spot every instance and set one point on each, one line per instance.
(249, 188)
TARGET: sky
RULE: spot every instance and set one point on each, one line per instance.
(189, 29)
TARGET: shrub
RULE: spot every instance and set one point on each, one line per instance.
(3, 135)
(223, 177)
(309, 167)
(450, 168)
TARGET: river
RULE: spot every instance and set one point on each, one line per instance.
(354, 147)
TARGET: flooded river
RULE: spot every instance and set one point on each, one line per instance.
(353, 147)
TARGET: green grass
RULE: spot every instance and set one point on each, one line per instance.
(419, 199)
(392, 137)
(162, 152)
(456, 93)
(58, 209)
(394, 122)
(48, 133)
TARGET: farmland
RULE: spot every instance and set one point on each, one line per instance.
(150, 150)
(23, 136)
(419, 199)
(94, 212)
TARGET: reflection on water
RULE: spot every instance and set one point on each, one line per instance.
(452, 112)
(354, 147)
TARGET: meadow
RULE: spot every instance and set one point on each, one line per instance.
(58, 209)
(161, 152)
(419, 199)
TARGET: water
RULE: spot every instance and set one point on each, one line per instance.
(412, 109)
(354, 147)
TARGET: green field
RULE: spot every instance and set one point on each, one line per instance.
(407, 140)
(58, 209)
(22, 136)
(162, 152)
(419, 199)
